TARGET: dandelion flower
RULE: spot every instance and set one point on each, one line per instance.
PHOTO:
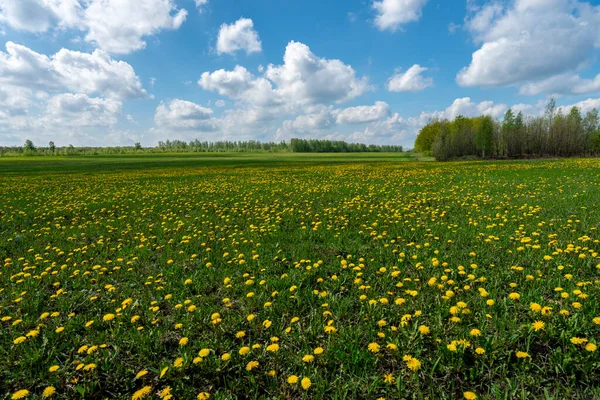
(470, 395)
(141, 373)
(305, 383)
(19, 394)
(591, 347)
(251, 365)
(49, 391)
(292, 379)
(373, 347)
(203, 396)
(538, 325)
(143, 392)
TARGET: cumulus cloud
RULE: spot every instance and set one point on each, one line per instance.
(238, 36)
(410, 81)
(40, 15)
(467, 108)
(116, 26)
(181, 114)
(362, 114)
(392, 14)
(79, 110)
(306, 78)
(303, 79)
(562, 84)
(322, 118)
(74, 71)
(529, 41)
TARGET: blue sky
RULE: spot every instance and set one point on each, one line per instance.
(115, 72)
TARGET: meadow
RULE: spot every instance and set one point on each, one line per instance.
(287, 276)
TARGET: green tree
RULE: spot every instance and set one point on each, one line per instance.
(484, 136)
(29, 146)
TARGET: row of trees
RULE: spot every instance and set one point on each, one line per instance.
(196, 146)
(336, 146)
(554, 134)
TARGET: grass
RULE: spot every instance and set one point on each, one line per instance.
(135, 274)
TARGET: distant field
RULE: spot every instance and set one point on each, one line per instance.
(284, 276)
(162, 160)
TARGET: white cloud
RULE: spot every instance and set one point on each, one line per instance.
(116, 26)
(363, 114)
(465, 107)
(562, 84)
(40, 15)
(79, 110)
(392, 14)
(240, 84)
(530, 41)
(119, 26)
(238, 36)
(307, 79)
(322, 118)
(90, 73)
(181, 114)
(584, 106)
(410, 81)
(220, 103)
(302, 80)
(200, 4)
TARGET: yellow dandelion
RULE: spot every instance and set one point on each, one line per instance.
(143, 392)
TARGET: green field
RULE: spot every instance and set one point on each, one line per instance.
(283, 276)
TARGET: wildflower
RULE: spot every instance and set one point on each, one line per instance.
(292, 379)
(225, 356)
(49, 391)
(251, 365)
(163, 371)
(273, 347)
(178, 363)
(578, 340)
(535, 307)
(413, 364)
(373, 347)
(538, 325)
(591, 347)
(391, 346)
(203, 396)
(424, 330)
(19, 394)
(108, 317)
(204, 353)
(305, 383)
(388, 378)
(141, 373)
(308, 358)
(522, 354)
(318, 350)
(475, 332)
(19, 340)
(183, 341)
(244, 350)
(469, 395)
(143, 392)
(480, 350)
(53, 368)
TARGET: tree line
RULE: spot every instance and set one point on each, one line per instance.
(337, 146)
(197, 146)
(553, 134)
